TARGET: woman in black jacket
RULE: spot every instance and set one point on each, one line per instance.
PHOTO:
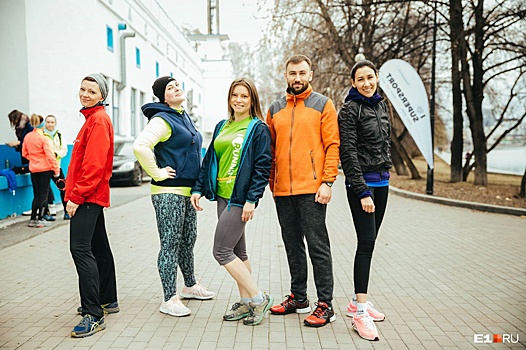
(365, 135)
(234, 173)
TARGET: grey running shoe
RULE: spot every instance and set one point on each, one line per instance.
(42, 223)
(257, 312)
(237, 312)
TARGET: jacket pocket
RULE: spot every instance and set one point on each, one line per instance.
(190, 167)
(313, 165)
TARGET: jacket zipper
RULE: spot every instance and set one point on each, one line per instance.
(313, 167)
(248, 140)
(290, 147)
(379, 121)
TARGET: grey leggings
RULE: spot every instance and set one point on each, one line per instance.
(177, 226)
(229, 239)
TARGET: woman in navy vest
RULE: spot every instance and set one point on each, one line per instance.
(173, 167)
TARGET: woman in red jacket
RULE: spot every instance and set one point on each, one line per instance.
(87, 193)
(42, 164)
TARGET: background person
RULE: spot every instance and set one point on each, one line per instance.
(60, 150)
(87, 193)
(20, 122)
(43, 166)
(305, 141)
(173, 166)
(365, 135)
(240, 156)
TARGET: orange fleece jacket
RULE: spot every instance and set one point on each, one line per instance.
(305, 143)
(37, 149)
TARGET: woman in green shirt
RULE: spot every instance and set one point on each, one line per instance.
(234, 173)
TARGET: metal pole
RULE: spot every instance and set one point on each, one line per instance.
(430, 173)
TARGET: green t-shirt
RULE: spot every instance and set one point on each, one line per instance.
(228, 146)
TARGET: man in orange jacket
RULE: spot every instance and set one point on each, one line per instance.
(305, 152)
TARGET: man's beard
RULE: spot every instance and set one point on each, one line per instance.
(297, 92)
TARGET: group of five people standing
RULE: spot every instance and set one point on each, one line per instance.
(296, 151)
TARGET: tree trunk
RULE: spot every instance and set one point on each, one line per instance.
(398, 162)
(401, 150)
(479, 138)
(457, 142)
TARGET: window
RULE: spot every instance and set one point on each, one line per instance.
(115, 107)
(157, 69)
(138, 57)
(133, 112)
(109, 38)
(142, 98)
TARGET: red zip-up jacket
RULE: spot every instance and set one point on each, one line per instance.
(91, 162)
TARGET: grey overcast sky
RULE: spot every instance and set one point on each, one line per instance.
(242, 20)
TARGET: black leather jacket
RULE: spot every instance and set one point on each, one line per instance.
(365, 141)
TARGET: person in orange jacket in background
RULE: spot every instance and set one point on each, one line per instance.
(305, 150)
(87, 193)
(42, 164)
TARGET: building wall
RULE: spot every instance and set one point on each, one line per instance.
(13, 64)
(54, 44)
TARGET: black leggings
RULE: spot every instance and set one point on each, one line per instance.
(367, 226)
(40, 182)
(91, 252)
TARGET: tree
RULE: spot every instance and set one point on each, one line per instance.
(456, 32)
(491, 50)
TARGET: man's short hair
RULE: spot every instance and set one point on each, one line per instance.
(295, 59)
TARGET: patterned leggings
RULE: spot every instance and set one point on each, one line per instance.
(177, 226)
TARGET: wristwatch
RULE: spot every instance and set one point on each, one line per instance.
(329, 183)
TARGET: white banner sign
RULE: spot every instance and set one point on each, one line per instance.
(405, 89)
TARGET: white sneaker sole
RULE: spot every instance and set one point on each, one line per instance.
(303, 311)
(176, 314)
(192, 296)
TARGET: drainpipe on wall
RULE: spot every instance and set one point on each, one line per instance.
(122, 84)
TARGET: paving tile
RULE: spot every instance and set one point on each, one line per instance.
(430, 276)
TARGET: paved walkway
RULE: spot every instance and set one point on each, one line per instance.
(441, 274)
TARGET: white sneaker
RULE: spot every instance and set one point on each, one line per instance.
(174, 307)
(42, 223)
(197, 291)
(27, 213)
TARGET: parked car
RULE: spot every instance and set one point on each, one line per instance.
(126, 168)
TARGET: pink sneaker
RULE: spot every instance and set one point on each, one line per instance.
(365, 327)
(174, 307)
(197, 291)
(376, 315)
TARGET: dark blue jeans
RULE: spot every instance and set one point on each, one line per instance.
(93, 258)
(301, 218)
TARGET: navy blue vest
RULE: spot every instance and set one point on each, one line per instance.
(182, 151)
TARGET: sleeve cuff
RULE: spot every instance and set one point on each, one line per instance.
(366, 193)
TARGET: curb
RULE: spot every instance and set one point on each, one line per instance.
(462, 204)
